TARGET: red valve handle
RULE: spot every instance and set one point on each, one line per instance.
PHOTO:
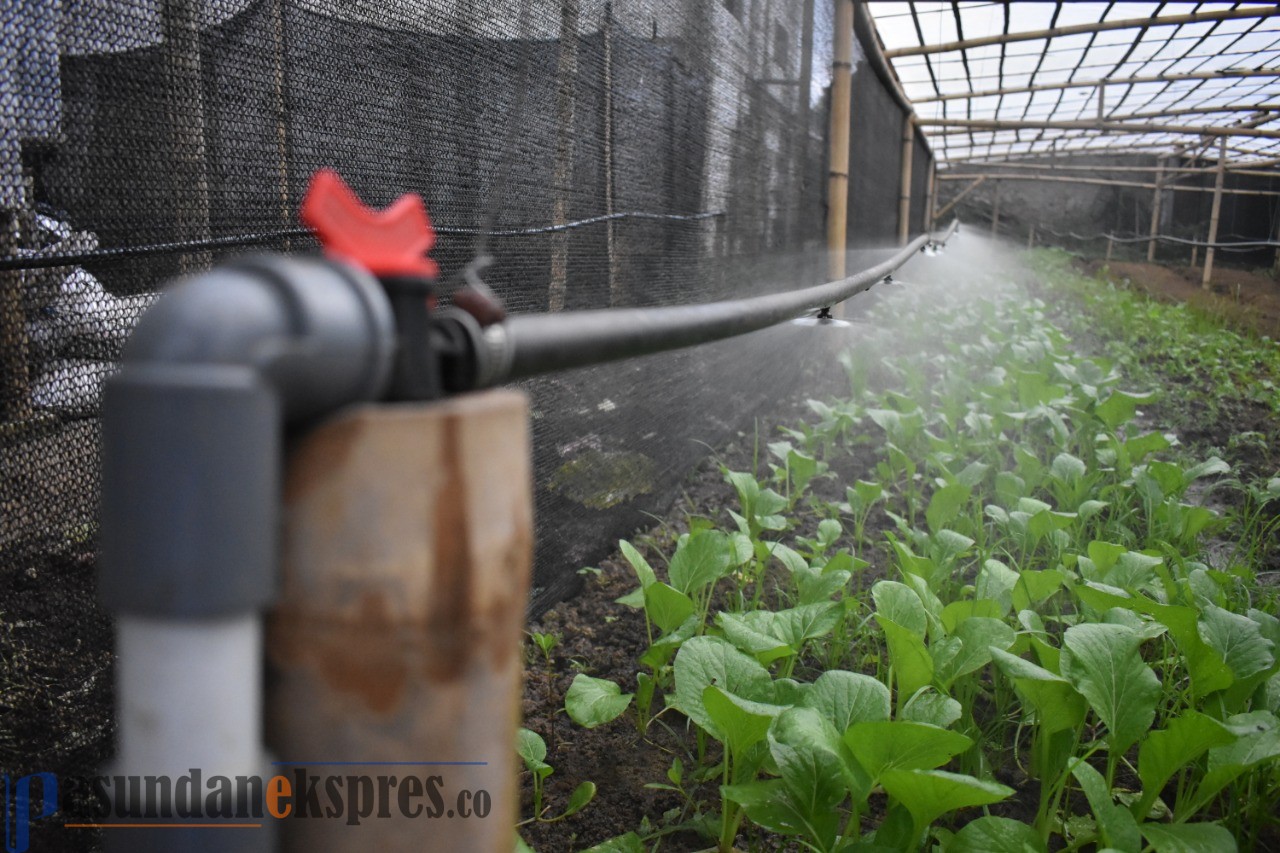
(392, 242)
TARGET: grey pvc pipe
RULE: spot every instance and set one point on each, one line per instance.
(530, 344)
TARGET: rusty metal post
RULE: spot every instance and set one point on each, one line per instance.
(406, 562)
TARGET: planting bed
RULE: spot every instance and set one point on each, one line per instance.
(1014, 590)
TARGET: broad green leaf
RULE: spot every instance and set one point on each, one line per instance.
(1168, 750)
(945, 505)
(1117, 826)
(638, 563)
(1258, 740)
(1238, 639)
(768, 804)
(702, 559)
(1066, 467)
(977, 636)
(1057, 704)
(581, 796)
(532, 749)
(899, 604)
(523, 847)
(958, 611)
(739, 723)
(1204, 665)
(806, 750)
(896, 744)
(626, 843)
(995, 582)
(659, 654)
(912, 664)
(931, 707)
(1120, 407)
(593, 702)
(704, 661)
(929, 794)
(817, 585)
(993, 834)
(1189, 838)
(1104, 663)
(667, 606)
(829, 531)
(802, 469)
(788, 557)
(1035, 587)
(761, 645)
(806, 622)
(845, 698)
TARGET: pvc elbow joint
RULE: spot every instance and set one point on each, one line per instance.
(193, 425)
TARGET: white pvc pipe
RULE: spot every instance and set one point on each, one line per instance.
(189, 695)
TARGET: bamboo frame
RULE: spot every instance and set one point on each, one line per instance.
(1191, 111)
(904, 181)
(1110, 126)
(964, 192)
(1155, 212)
(1078, 29)
(1116, 81)
(1214, 216)
(1237, 168)
(838, 177)
(1104, 182)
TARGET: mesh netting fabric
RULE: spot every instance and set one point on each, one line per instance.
(663, 152)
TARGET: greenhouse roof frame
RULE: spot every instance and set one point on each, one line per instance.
(1001, 82)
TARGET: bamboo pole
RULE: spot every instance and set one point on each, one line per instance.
(995, 211)
(838, 178)
(1213, 216)
(407, 545)
(1075, 29)
(964, 192)
(562, 183)
(1195, 256)
(1110, 246)
(1031, 237)
(904, 181)
(1112, 126)
(1089, 84)
(1170, 113)
(1236, 168)
(1155, 213)
(1105, 182)
(184, 119)
(931, 194)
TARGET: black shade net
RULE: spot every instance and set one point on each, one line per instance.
(644, 152)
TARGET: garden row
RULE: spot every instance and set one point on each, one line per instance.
(981, 603)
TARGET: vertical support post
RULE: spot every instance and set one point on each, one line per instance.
(803, 148)
(1215, 213)
(838, 177)
(995, 212)
(930, 197)
(562, 182)
(1155, 211)
(279, 102)
(611, 234)
(406, 561)
(15, 392)
(1031, 237)
(184, 114)
(904, 180)
(1110, 246)
(1275, 266)
(1195, 254)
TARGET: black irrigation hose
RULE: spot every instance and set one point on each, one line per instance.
(36, 261)
(529, 344)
